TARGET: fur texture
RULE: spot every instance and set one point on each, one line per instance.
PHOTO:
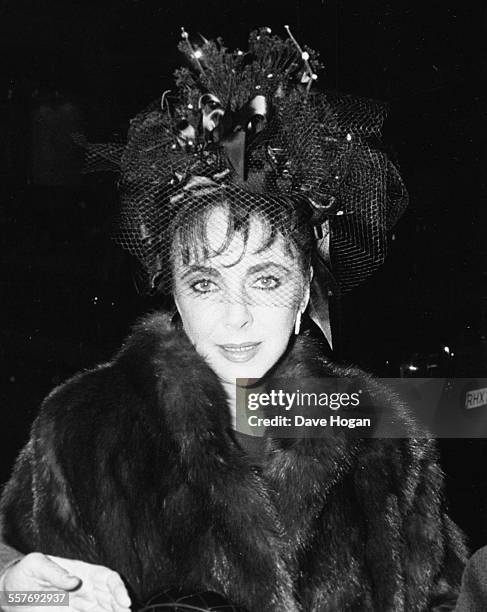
(134, 465)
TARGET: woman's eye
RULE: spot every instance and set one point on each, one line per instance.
(204, 286)
(266, 282)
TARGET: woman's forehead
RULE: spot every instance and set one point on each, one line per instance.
(244, 248)
(217, 226)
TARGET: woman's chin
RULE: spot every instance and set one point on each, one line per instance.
(242, 372)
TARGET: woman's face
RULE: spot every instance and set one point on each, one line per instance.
(239, 307)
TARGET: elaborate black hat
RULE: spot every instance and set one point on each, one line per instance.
(248, 127)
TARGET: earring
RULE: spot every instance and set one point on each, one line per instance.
(176, 321)
(297, 324)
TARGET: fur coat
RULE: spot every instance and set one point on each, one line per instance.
(134, 465)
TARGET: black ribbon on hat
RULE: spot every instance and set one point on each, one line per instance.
(233, 129)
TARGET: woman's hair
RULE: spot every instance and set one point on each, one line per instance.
(187, 231)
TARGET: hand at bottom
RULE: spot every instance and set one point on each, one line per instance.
(91, 588)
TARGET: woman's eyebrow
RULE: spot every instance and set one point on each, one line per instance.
(200, 270)
(268, 264)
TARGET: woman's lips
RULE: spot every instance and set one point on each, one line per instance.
(239, 352)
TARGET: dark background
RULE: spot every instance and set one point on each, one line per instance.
(67, 297)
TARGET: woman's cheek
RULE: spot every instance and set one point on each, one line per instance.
(204, 319)
(278, 321)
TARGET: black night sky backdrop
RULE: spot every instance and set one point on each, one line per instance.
(67, 298)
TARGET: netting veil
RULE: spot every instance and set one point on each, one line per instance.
(235, 182)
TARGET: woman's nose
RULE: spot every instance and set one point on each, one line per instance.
(237, 314)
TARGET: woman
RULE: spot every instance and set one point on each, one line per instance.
(232, 205)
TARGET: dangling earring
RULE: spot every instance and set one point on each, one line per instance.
(176, 321)
(297, 324)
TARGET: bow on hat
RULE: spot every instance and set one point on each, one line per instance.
(230, 130)
(233, 131)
